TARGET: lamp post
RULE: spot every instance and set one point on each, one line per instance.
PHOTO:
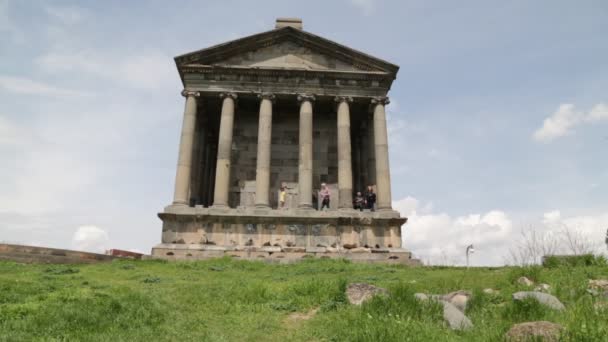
(470, 250)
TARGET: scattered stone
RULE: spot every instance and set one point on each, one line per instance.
(598, 284)
(357, 293)
(543, 298)
(421, 296)
(542, 288)
(491, 291)
(331, 249)
(601, 306)
(458, 298)
(525, 281)
(453, 312)
(540, 330)
(455, 318)
(349, 245)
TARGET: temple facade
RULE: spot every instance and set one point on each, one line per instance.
(283, 109)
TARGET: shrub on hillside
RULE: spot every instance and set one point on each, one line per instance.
(554, 261)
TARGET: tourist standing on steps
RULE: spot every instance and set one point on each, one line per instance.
(325, 195)
(359, 202)
(370, 198)
(282, 195)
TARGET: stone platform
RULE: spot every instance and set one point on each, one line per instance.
(281, 235)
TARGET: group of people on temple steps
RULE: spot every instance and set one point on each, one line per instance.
(360, 202)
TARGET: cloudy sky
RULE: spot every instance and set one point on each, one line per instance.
(498, 121)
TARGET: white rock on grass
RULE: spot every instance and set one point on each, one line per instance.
(453, 312)
(421, 296)
(490, 291)
(542, 288)
(534, 331)
(357, 293)
(525, 281)
(455, 318)
(598, 284)
(458, 298)
(543, 298)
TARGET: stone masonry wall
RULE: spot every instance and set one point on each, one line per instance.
(285, 149)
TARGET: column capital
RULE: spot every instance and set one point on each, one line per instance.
(234, 96)
(306, 97)
(266, 96)
(383, 100)
(346, 99)
(187, 93)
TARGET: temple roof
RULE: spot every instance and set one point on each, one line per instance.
(286, 48)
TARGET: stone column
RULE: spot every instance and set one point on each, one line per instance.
(383, 177)
(262, 171)
(222, 171)
(345, 168)
(306, 153)
(184, 162)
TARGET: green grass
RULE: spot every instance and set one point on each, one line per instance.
(228, 300)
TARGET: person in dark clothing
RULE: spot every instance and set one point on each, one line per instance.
(370, 198)
(325, 195)
(359, 202)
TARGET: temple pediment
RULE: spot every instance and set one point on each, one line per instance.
(286, 48)
(287, 55)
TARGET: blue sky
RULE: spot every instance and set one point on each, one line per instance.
(498, 117)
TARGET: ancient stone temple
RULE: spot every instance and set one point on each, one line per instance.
(282, 109)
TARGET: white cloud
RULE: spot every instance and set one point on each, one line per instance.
(367, 7)
(565, 119)
(22, 85)
(438, 238)
(90, 239)
(147, 71)
(551, 217)
(599, 112)
(7, 25)
(67, 15)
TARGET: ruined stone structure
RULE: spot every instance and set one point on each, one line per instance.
(282, 108)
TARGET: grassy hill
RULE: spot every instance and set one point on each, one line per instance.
(227, 300)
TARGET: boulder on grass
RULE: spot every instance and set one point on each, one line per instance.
(357, 293)
(458, 298)
(525, 281)
(534, 331)
(543, 298)
(455, 318)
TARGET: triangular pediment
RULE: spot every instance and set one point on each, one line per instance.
(288, 55)
(286, 48)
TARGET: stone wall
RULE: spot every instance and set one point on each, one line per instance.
(284, 150)
(33, 254)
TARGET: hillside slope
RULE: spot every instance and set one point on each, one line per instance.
(227, 300)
